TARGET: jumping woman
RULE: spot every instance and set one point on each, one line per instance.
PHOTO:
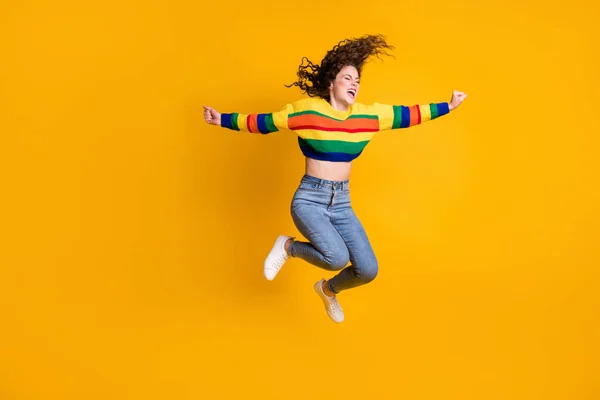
(333, 129)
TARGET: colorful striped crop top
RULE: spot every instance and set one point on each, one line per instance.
(325, 133)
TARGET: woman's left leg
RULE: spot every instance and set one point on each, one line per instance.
(363, 266)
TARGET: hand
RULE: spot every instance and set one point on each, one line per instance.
(457, 99)
(212, 116)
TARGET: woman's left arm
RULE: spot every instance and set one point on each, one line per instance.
(400, 116)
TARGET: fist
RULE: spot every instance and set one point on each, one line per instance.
(457, 99)
(212, 116)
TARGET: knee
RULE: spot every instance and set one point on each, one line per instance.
(337, 259)
(367, 271)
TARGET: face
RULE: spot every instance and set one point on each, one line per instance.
(344, 89)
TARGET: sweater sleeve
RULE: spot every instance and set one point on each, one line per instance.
(399, 116)
(257, 123)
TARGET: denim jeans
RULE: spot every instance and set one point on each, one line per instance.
(323, 214)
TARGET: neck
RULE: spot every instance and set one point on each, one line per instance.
(338, 105)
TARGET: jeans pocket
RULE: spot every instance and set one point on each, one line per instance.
(309, 186)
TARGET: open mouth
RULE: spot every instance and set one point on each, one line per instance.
(352, 93)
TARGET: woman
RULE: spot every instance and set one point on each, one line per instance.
(333, 129)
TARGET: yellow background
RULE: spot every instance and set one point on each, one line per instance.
(134, 233)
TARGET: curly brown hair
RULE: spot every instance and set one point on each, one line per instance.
(314, 79)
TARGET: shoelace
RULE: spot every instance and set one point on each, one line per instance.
(281, 260)
(333, 305)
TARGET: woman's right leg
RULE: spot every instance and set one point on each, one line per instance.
(325, 247)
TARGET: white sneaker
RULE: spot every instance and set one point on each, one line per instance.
(334, 310)
(276, 258)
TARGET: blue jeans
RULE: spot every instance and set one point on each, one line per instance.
(323, 214)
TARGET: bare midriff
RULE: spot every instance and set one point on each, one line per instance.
(328, 170)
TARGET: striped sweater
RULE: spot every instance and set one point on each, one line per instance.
(325, 133)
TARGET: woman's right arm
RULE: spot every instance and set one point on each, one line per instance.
(252, 123)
